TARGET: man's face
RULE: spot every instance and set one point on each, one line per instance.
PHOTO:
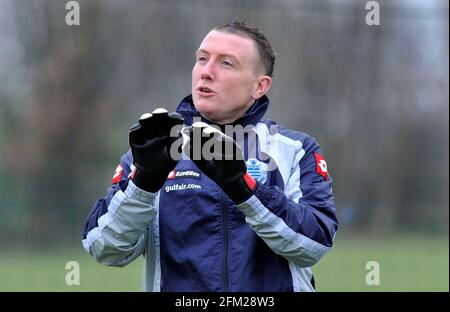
(224, 78)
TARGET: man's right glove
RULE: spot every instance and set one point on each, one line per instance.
(151, 142)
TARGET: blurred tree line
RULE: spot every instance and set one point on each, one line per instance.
(375, 97)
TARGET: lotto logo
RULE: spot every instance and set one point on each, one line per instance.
(321, 166)
(118, 174)
(183, 174)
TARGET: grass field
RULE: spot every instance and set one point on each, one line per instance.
(405, 263)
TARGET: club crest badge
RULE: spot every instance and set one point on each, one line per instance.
(257, 169)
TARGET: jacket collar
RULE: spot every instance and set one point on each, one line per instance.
(254, 114)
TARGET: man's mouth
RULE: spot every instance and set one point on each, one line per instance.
(205, 91)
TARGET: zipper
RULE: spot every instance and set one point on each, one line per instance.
(225, 242)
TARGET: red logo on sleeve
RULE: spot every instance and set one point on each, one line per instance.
(118, 174)
(321, 166)
(171, 175)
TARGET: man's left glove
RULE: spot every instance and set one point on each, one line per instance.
(221, 159)
(151, 142)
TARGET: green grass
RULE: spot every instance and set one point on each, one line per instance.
(47, 272)
(406, 264)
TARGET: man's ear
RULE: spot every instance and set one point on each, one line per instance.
(262, 86)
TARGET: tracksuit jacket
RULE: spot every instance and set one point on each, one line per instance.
(194, 238)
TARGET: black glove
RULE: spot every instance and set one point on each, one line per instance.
(221, 159)
(153, 144)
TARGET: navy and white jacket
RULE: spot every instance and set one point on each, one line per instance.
(194, 238)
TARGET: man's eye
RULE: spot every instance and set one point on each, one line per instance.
(201, 59)
(227, 63)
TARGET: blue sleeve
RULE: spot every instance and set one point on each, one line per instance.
(117, 228)
(301, 229)
(101, 206)
(314, 215)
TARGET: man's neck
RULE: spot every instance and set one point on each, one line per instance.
(231, 121)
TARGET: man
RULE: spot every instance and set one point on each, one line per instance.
(253, 215)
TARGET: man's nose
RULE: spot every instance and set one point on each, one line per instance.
(207, 72)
